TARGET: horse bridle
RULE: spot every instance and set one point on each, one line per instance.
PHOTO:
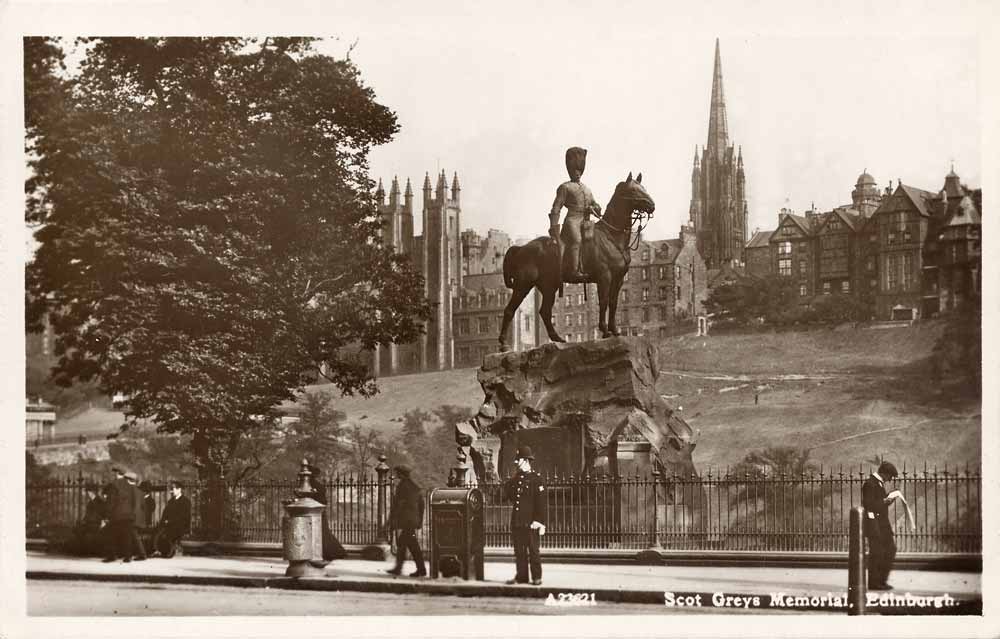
(638, 217)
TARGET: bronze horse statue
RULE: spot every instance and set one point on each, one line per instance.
(606, 254)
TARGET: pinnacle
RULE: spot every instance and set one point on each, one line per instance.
(718, 126)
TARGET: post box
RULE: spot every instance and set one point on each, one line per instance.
(457, 534)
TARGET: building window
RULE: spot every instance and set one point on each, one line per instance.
(625, 296)
(845, 287)
(645, 255)
(677, 294)
(663, 313)
(826, 288)
(785, 248)
(579, 319)
(891, 274)
(802, 267)
(663, 292)
(907, 272)
(661, 272)
(870, 264)
(645, 295)
(645, 273)
(645, 314)
(802, 290)
(463, 326)
(527, 323)
(579, 299)
(484, 325)
(785, 266)
(568, 320)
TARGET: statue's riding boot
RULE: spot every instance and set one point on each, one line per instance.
(577, 274)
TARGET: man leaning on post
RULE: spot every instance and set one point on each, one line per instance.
(527, 517)
(878, 530)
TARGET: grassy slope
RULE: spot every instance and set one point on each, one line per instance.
(874, 399)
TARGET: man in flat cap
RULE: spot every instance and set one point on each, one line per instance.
(406, 515)
(526, 493)
(580, 204)
(878, 530)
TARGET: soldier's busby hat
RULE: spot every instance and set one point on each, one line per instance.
(403, 469)
(576, 158)
(524, 452)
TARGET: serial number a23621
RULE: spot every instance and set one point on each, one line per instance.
(571, 599)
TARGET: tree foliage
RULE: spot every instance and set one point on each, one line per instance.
(208, 242)
(749, 300)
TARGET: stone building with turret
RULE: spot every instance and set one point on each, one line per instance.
(437, 252)
(718, 210)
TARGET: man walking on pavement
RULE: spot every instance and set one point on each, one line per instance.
(121, 516)
(878, 530)
(527, 517)
(406, 515)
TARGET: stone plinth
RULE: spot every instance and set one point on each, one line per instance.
(574, 403)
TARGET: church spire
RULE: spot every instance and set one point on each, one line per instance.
(718, 127)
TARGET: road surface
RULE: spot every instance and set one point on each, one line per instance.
(79, 598)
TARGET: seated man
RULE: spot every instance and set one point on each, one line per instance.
(88, 534)
(175, 522)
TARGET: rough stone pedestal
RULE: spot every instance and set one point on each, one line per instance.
(575, 404)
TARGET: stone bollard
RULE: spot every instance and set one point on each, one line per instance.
(302, 530)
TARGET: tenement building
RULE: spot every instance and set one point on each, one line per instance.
(718, 210)
(663, 291)
(904, 252)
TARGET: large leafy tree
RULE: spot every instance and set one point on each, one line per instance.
(207, 241)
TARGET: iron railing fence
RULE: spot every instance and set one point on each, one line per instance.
(727, 511)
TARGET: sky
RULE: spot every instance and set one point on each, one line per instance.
(498, 98)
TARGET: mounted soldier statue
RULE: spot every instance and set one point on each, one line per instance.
(598, 253)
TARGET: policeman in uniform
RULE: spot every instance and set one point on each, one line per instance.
(580, 204)
(527, 517)
(878, 530)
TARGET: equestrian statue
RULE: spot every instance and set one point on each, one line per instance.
(587, 253)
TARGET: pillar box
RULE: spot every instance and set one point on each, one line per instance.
(302, 530)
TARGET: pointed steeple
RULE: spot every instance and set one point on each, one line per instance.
(718, 126)
(394, 191)
(380, 192)
(442, 185)
(697, 162)
(408, 194)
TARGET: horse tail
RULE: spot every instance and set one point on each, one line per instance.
(509, 259)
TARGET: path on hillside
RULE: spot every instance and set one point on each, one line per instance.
(771, 377)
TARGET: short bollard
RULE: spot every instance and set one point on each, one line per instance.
(302, 530)
(856, 580)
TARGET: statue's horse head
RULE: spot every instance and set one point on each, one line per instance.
(630, 203)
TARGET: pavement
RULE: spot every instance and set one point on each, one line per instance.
(815, 589)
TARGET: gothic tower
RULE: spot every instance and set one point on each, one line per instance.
(442, 268)
(718, 210)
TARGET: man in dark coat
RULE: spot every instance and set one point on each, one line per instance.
(88, 534)
(121, 517)
(332, 548)
(527, 517)
(406, 515)
(175, 521)
(148, 505)
(138, 550)
(878, 530)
